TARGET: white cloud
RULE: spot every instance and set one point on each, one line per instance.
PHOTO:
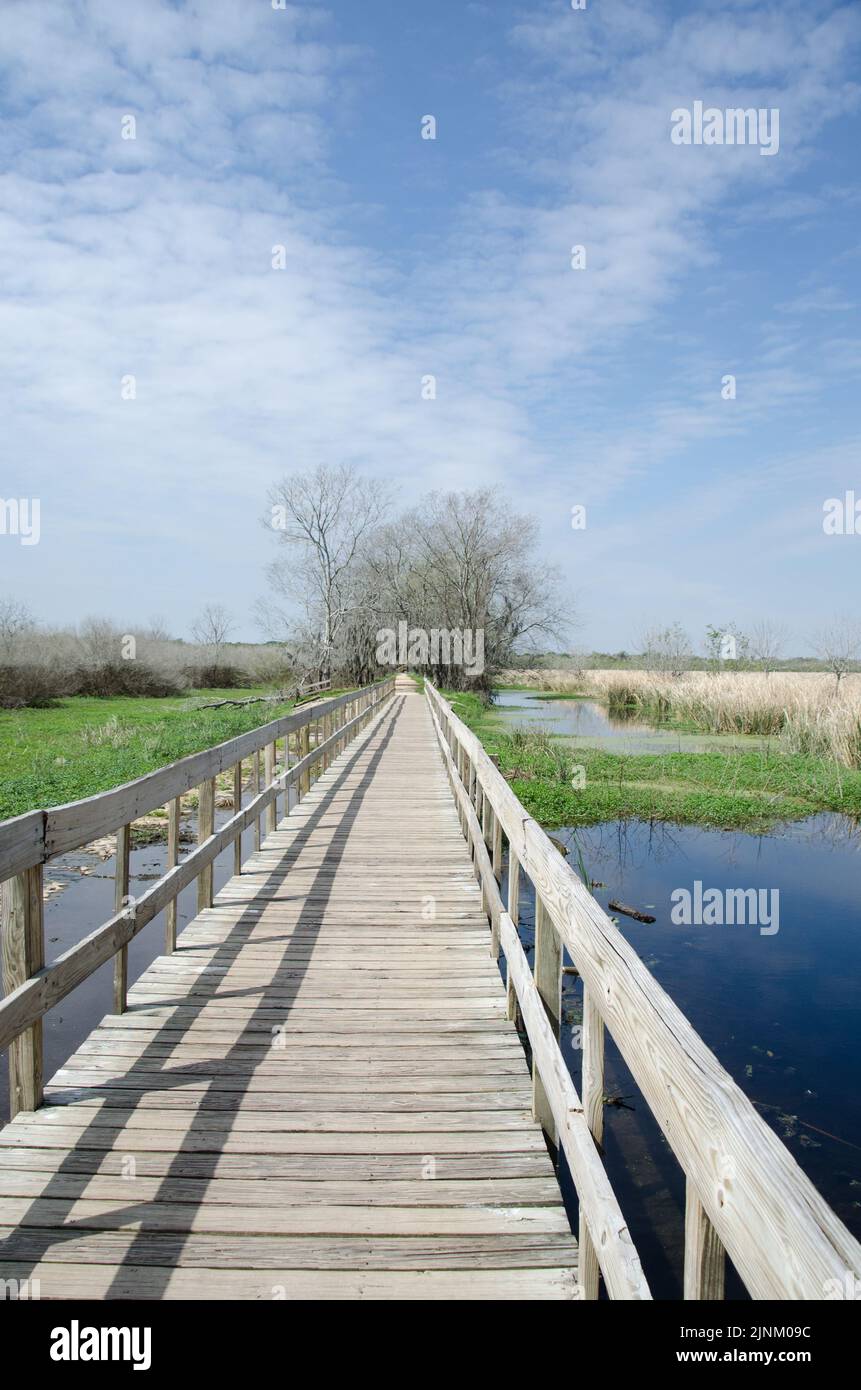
(152, 257)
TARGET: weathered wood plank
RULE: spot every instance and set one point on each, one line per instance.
(188, 1251)
(134, 1281)
(103, 1214)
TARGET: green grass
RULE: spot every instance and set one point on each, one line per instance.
(84, 746)
(729, 788)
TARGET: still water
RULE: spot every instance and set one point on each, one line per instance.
(588, 723)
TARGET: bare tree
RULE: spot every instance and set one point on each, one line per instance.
(212, 628)
(322, 518)
(157, 629)
(667, 650)
(15, 620)
(767, 640)
(578, 661)
(100, 641)
(838, 646)
(463, 562)
(460, 568)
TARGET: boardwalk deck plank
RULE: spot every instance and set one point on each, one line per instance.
(319, 1095)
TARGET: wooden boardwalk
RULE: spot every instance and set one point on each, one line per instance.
(319, 1093)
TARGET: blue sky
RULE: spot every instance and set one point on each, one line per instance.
(257, 127)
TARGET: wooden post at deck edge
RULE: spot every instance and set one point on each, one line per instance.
(23, 945)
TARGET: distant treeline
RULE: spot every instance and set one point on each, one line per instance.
(639, 661)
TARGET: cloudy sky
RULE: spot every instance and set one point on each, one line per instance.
(405, 257)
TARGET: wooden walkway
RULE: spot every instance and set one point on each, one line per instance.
(319, 1094)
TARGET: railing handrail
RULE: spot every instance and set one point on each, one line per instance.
(745, 1189)
(312, 686)
(37, 836)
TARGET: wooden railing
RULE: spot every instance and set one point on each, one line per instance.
(746, 1195)
(305, 690)
(26, 843)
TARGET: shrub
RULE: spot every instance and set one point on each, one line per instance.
(122, 678)
(216, 677)
(30, 685)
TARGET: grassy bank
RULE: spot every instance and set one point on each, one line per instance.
(83, 746)
(729, 789)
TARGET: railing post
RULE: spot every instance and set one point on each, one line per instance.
(705, 1260)
(21, 920)
(461, 768)
(592, 1087)
(271, 809)
(548, 979)
(173, 811)
(255, 788)
(304, 750)
(121, 893)
(513, 909)
(237, 806)
(497, 848)
(205, 827)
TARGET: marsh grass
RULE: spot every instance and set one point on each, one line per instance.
(806, 710)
